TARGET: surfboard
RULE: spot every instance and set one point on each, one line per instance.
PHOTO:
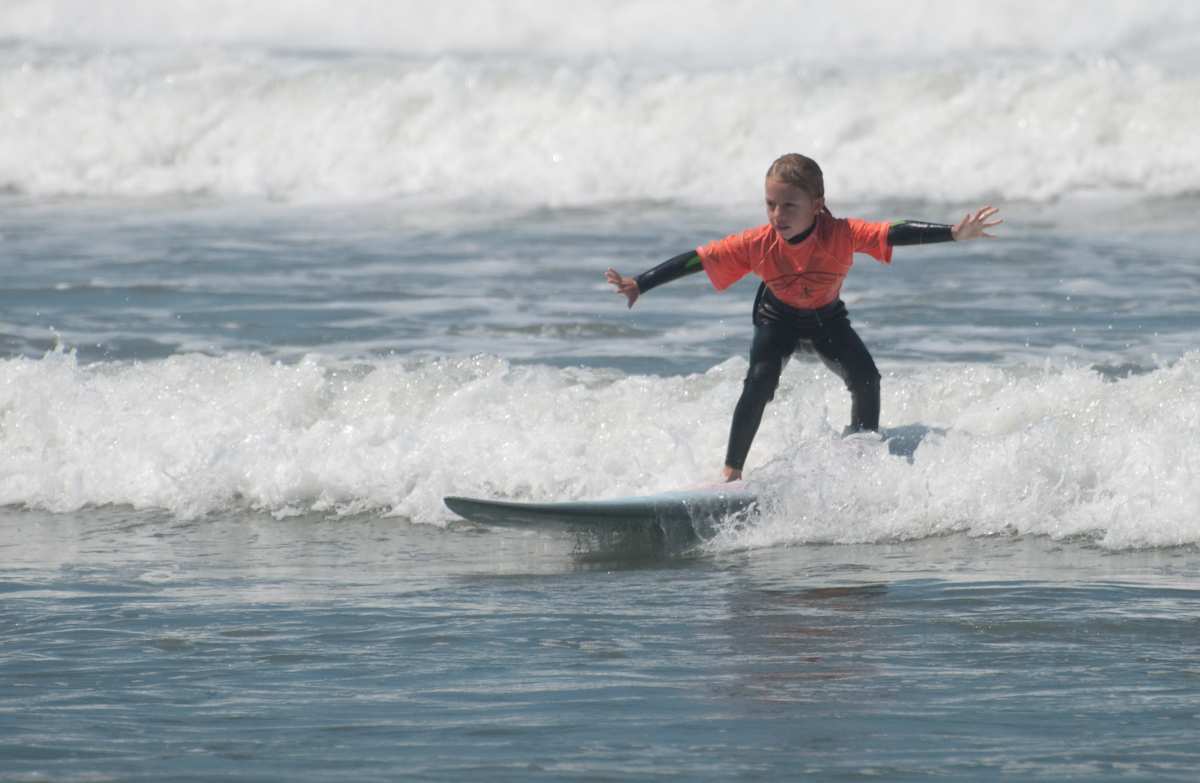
(689, 513)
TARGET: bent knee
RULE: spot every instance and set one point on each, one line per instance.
(763, 378)
(864, 378)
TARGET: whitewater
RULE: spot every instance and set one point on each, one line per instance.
(989, 451)
(548, 106)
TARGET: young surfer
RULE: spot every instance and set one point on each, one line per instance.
(802, 254)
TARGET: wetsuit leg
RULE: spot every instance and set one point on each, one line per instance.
(841, 349)
(773, 344)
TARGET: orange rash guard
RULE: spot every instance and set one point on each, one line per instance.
(807, 275)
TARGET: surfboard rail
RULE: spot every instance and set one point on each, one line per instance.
(694, 509)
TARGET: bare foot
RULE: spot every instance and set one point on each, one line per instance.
(730, 474)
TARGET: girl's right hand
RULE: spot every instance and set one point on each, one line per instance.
(626, 286)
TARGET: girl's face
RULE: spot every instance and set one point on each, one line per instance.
(790, 210)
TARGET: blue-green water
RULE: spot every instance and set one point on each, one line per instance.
(136, 647)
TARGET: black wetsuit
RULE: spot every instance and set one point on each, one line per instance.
(780, 330)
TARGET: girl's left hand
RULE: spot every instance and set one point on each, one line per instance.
(976, 226)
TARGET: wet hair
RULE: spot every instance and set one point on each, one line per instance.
(799, 171)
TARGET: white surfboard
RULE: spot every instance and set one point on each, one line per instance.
(682, 513)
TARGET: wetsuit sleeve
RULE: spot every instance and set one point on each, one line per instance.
(672, 269)
(916, 232)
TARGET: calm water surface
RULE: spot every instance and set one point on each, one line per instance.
(137, 647)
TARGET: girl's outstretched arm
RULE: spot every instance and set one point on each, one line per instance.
(672, 269)
(918, 232)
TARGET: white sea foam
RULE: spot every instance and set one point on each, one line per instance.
(1054, 451)
(539, 103)
(703, 31)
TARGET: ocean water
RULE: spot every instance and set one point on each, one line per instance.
(275, 278)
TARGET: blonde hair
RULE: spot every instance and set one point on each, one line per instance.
(800, 171)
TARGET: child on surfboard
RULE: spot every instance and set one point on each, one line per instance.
(802, 254)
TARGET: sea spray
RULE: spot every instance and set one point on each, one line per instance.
(1060, 451)
(1055, 451)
